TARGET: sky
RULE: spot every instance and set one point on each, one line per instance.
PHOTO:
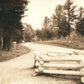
(38, 9)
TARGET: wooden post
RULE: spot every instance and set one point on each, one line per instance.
(41, 69)
(36, 70)
(82, 71)
(61, 66)
(54, 59)
(54, 65)
(62, 72)
(41, 62)
(82, 79)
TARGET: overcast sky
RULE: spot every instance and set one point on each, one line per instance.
(38, 9)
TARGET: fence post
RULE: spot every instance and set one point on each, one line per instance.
(14, 45)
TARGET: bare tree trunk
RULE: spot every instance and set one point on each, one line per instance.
(1, 38)
(7, 40)
(69, 28)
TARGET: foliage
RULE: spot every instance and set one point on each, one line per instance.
(17, 35)
(63, 22)
(80, 27)
(11, 12)
(80, 22)
(46, 33)
(69, 11)
(81, 13)
(59, 21)
(28, 33)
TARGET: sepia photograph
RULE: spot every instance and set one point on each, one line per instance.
(41, 41)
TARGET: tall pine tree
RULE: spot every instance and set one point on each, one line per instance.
(69, 10)
(11, 12)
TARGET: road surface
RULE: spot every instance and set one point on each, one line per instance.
(20, 70)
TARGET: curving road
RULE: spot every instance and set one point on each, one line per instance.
(20, 70)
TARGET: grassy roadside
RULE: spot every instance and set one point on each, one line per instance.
(7, 55)
(64, 43)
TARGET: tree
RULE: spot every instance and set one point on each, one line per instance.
(81, 13)
(69, 10)
(28, 33)
(46, 22)
(59, 21)
(11, 12)
(80, 21)
(1, 38)
(46, 32)
(38, 34)
(80, 27)
(45, 27)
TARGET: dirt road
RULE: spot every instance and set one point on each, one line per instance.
(20, 70)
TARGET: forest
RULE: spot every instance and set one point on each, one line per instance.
(67, 22)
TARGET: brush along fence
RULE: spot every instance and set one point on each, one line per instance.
(63, 63)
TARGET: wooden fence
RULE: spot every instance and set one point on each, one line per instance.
(59, 63)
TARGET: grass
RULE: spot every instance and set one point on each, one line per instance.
(13, 53)
(75, 44)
